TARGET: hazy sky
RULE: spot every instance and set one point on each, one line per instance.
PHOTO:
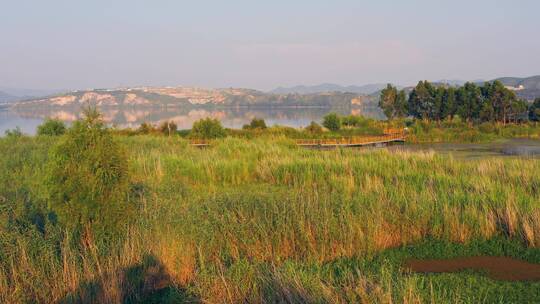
(94, 43)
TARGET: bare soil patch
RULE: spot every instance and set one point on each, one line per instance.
(498, 268)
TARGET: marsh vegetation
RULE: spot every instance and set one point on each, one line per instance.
(101, 215)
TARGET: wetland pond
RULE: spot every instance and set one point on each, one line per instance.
(520, 148)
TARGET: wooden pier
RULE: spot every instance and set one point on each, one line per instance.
(390, 137)
(356, 141)
(199, 142)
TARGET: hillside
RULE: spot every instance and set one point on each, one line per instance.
(528, 87)
(193, 97)
(330, 87)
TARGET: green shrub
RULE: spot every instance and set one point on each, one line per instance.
(207, 128)
(256, 123)
(487, 127)
(51, 127)
(168, 128)
(314, 128)
(353, 121)
(14, 132)
(332, 122)
(87, 176)
(146, 128)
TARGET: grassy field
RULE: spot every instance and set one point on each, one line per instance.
(262, 220)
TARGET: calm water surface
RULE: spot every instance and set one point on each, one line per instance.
(528, 148)
(184, 118)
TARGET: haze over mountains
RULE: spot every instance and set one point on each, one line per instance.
(330, 87)
(193, 97)
(527, 87)
(326, 95)
(11, 95)
(7, 98)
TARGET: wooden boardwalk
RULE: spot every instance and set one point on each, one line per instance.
(390, 136)
(199, 142)
(356, 141)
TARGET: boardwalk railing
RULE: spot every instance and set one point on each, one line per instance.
(353, 141)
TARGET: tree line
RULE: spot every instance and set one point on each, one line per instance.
(491, 101)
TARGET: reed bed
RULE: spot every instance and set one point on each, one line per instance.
(263, 221)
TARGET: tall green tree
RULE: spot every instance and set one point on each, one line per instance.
(438, 103)
(448, 107)
(501, 100)
(518, 109)
(422, 101)
(393, 102)
(469, 101)
(534, 110)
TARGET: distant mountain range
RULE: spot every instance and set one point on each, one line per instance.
(527, 88)
(324, 95)
(330, 87)
(12, 95)
(194, 97)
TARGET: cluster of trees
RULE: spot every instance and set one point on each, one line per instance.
(335, 122)
(534, 112)
(255, 124)
(489, 102)
(167, 128)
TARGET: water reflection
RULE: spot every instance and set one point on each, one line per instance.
(132, 117)
(529, 148)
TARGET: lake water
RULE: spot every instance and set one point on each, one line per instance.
(528, 148)
(133, 117)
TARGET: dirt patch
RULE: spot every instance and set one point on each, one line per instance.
(498, 268)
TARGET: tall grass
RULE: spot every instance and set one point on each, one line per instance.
(459, 131)
(264, 221)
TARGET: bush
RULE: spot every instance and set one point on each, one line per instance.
(314, 128)
(168, 128)
(51, 127)
(146, 128)
(256, 123)
(487, 127)
(352, 120)
(14, 133)
(332, 122)
(207, 128)
(87, 177)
